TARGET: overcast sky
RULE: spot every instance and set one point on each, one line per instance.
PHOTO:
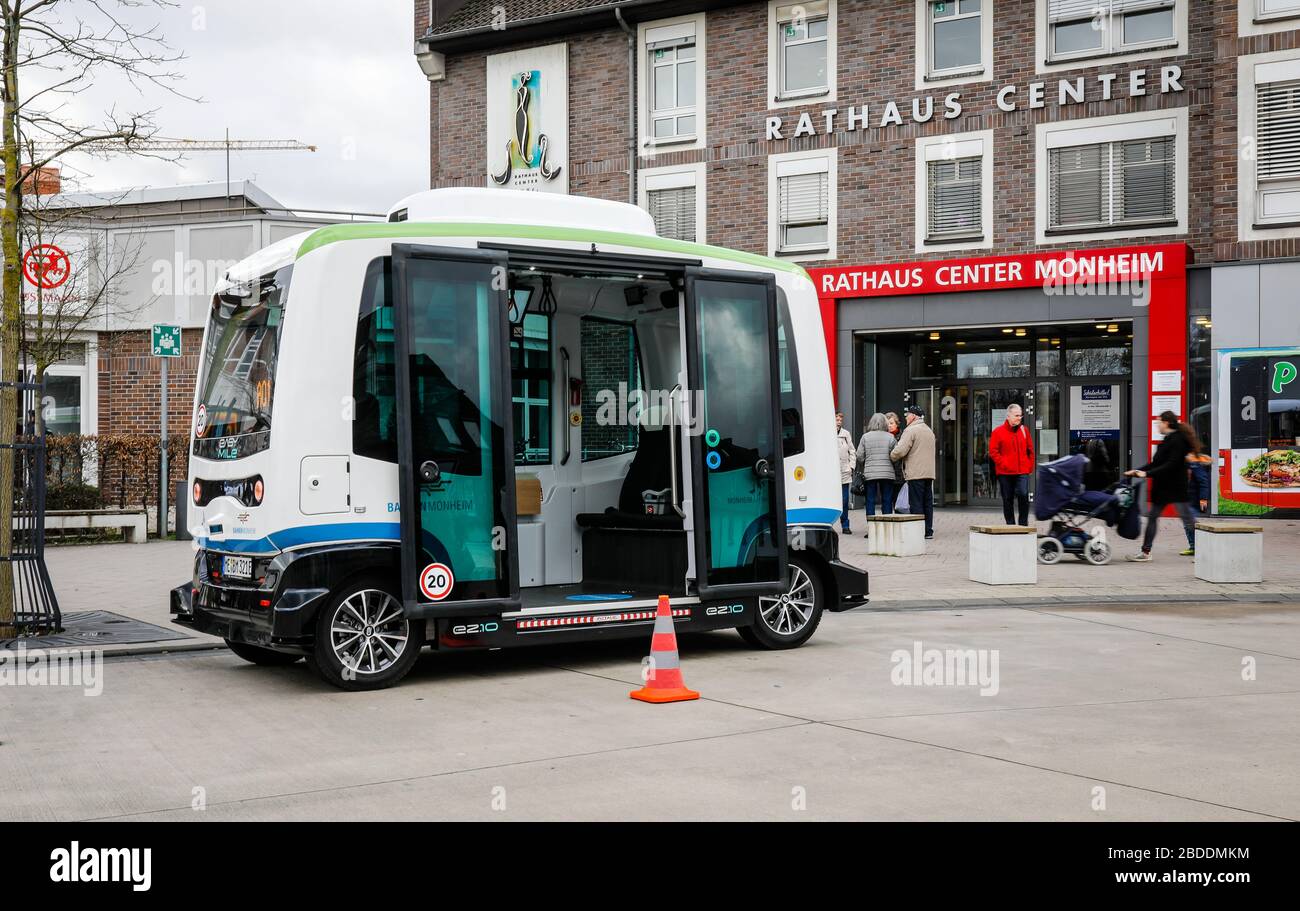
(337, 74)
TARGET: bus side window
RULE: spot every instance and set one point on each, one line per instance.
(530, 375)
(791, 400)
(374, 377)
(609, 361)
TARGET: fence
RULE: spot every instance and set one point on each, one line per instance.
(35, 607)
(111, 470)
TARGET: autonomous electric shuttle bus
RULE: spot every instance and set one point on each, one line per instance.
(506, 418)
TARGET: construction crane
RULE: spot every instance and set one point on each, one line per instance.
(181, 146)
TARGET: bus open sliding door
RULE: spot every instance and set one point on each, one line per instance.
(737, 473)
(454, 433)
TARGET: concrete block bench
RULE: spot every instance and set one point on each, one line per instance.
(133, 522)
(1004, 554)
(896, 535)
(1229, 552)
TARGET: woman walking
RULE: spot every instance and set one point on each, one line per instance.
(877, 469)
(1168, 474)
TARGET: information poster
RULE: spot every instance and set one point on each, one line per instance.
(1094, 413)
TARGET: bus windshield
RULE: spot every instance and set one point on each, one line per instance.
(237, 377)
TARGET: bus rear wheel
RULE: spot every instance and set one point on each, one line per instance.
(788, 620)
(363, 639)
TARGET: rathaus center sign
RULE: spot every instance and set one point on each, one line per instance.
(1010, 98)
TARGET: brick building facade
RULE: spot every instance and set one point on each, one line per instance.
(920, 116)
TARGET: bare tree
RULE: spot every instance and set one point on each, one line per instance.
(49, 51)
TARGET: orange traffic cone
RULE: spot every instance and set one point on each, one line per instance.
(664, 683)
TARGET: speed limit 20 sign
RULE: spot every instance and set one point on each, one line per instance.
(436, 581)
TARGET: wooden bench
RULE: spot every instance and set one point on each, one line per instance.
(134, 523)
(896, 535)
(1229, 552)
(1004, 554)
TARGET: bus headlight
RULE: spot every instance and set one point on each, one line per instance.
(258, 491)
(198, 492)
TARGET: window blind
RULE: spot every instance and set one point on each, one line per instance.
(1277, 130)
(956, 197)
(673, 212)
(805, 199)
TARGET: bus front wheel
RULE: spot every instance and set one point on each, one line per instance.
(788, 620)
(363, 639)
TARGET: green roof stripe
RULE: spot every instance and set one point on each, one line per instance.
(323, 237)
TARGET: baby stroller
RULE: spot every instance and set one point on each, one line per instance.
(1063, 500)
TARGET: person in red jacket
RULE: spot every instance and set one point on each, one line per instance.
(1011, 447)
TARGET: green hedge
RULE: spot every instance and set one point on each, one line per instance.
(72, 496)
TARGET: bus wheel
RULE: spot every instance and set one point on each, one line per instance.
(266, 657)
(363, 640)
(789, 620)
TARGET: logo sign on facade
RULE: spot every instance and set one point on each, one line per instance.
(166, 340)
(528, 114)
(1041, 270)
(1137, 83)
(46, 266)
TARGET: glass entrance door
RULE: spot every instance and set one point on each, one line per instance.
(988, 409)
(454, 440)
(737, 470)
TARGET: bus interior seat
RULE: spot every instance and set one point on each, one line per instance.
(650, 469)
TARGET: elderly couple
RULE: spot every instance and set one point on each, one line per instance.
(887, 459)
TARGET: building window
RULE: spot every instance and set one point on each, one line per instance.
(802, 204)
(674, 197)
(1094, 28)
(954, 200)
(955, 35)
(1113, 183)
(1277, 152)
(1277, 9)
(671, 73)
(804, 52)
(1268, 135)
(609, 361)
(673, 211)
(1125, 175)
(672, 90)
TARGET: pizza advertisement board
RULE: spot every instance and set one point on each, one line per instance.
(1259, 430)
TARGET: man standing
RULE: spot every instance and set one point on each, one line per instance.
(915, 450)
(848, 458)
(1012, 451)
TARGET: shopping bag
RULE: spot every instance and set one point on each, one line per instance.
(900, 505)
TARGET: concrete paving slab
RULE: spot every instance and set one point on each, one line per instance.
(799, 773)
(1232, 751)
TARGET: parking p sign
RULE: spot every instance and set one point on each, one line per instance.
(166, 341)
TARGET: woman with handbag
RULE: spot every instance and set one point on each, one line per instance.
(899, 494)
(1168, 474)
(875, 465)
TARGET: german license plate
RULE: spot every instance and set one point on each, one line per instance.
(237, 567)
